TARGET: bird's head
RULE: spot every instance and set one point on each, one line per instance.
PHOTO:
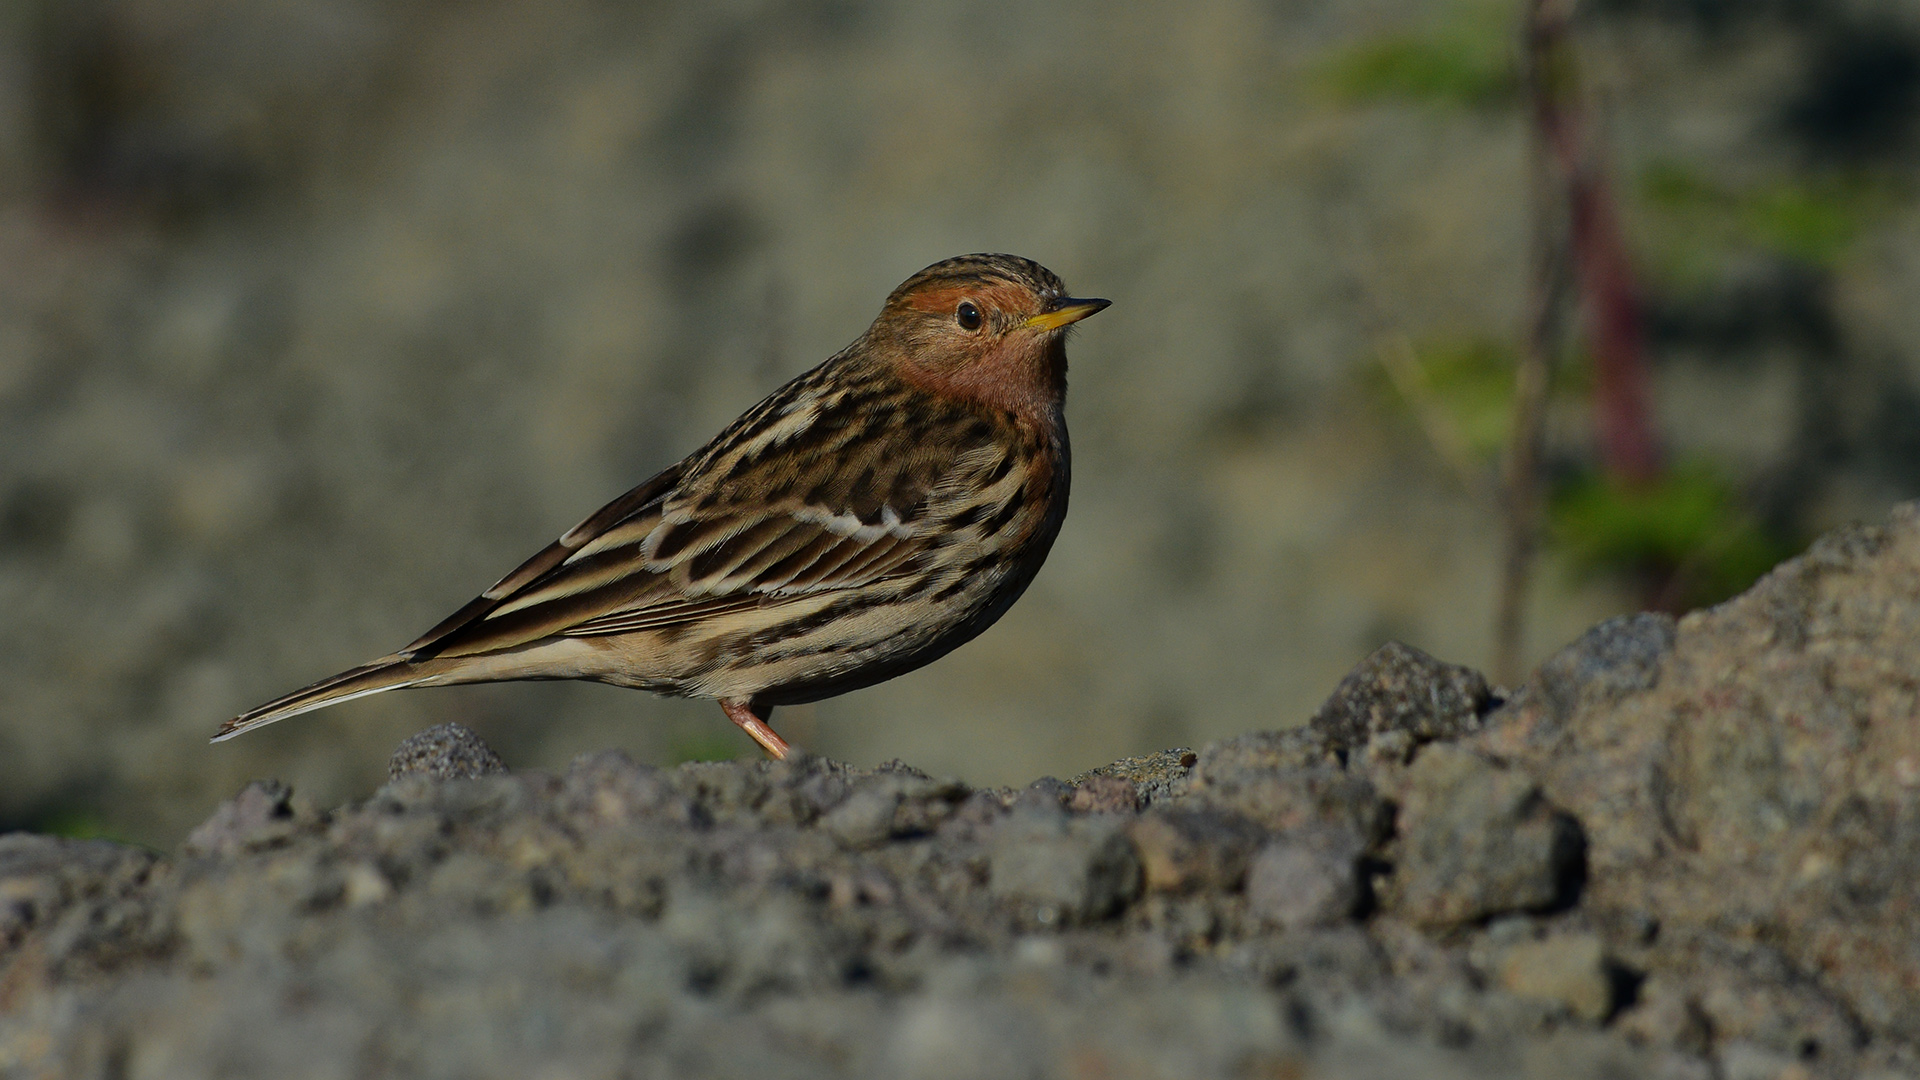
(986, 328)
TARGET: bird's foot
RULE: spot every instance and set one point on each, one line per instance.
(755, 725)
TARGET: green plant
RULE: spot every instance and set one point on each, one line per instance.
(1695, 225)
(78, 824)
(718, 745)
(1687, 536)
(1464, 58)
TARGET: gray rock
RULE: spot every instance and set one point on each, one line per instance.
(1183, 850)
(1063, 869)
(1305, 880)
(1154, 777)
(43, 878)
(891, 805)
(1104, 795)
(1286, 780)
(609, 788)
(1747, 792)
(260, 816)
(1615, 659)
(1399, 689)
(445, 752)
(1478, 840)
(1261, 753)
(1044, 795)
(1752, 771)
(1569, 970)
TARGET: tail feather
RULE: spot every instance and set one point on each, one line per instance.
(387, 673)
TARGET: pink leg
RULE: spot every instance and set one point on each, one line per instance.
(756, 727)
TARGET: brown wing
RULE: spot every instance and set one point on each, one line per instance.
(809, 492)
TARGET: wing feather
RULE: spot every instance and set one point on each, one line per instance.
(783, 509)
(632, 530)
(712, 569)
(551, 556)
(780, 575)
(860, 569)
(661, 616)
(822, 574)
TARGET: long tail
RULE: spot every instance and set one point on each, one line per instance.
(386, 673)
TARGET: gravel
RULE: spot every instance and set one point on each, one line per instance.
(1682, 850)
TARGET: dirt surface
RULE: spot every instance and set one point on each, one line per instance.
(1685, 851)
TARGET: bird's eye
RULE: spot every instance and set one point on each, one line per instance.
(968, 316)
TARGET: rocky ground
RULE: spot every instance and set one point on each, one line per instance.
(1680, 850)
(318, 316)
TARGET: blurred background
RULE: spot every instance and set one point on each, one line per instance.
(317, 316)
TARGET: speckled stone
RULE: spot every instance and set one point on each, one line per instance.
(445, 752)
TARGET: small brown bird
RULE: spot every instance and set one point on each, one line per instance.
(865, 519)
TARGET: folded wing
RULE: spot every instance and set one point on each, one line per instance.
(732, 528)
